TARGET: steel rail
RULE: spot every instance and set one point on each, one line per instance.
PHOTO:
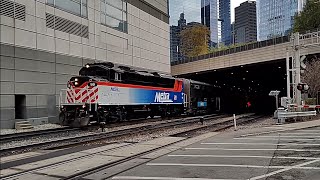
(87, 172)
(109, 165)
(16, 136)
(73, 141)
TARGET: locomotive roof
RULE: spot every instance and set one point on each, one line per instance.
(198, 82)
(122, 69)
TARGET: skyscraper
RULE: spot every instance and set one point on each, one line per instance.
(215, 14)
(224, 17)
(276, 18)
(190, 8)
(245, 22)
(175, 53)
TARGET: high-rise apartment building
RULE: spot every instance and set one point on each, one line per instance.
(276, 18)
(190, 9)
(215, 14)
(245, 27)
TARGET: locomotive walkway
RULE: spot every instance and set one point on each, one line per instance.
(290, 151)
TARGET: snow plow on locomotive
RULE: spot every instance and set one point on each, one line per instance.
(103, 93)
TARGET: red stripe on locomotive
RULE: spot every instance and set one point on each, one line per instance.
(177, 86)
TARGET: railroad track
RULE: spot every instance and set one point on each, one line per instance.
(78, 140)
(30, 134)
(219, 126)
(18, 136)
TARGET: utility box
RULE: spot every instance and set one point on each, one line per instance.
(280, 119)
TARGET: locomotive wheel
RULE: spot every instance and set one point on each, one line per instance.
(62, 119)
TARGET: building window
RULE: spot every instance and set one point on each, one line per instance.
(114, 14)
(77, 7)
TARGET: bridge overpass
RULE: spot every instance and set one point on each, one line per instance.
(259, 52)
(247, 73)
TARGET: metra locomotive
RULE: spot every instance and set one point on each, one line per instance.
(104, 93)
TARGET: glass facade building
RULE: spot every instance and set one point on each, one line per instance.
(190, 8)
(276, 17)
(215, 14)
(225, 18)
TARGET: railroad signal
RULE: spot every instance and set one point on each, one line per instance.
(303, 87)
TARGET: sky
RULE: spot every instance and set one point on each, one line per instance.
(234, 4)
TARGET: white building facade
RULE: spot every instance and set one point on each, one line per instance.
(45, 42)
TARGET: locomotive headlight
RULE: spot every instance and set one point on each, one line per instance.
(76, 79)
(76, 83)
(83, 106)
(87, 66)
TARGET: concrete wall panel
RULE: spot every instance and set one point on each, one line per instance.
(6, 101)
(41, 60)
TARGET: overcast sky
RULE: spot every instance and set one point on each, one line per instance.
(234, 4)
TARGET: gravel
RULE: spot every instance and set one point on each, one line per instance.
(35, 128)
(132, 138)
(44, 138)
(64, 135)
(263, 122)
(71, 134)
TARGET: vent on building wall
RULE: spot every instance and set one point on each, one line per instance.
(13, 10)
(65, 25)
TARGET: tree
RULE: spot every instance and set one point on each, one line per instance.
(311, 76)
(195, 40)
(308, 19)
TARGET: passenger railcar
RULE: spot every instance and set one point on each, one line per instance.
(103, 93)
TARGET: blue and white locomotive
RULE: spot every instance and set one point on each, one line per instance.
(103, 93)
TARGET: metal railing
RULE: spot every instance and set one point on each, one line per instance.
(246, 47)
(286, 115)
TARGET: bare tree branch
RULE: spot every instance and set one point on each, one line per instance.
(311, 76)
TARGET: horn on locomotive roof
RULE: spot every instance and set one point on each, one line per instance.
(155, 74)
(125, 68)
(106, 64)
